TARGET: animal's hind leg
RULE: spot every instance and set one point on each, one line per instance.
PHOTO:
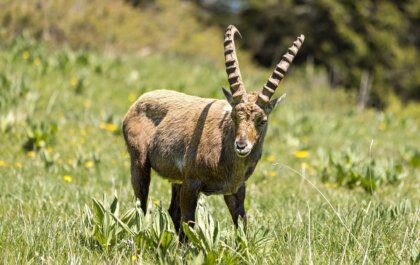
(140, 178)
(138, 131)
(174, 209)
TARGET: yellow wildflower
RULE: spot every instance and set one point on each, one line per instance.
(272, 173)
(18, 165)
(132, 97)
(271, 158)
(331, 185)
(88, 164)
(31, 154)
(110, 127)
(301, 154)
(3, 163)
(25, 55)
(67, 178)
(304, 165)
(37, 61)
(50, 149)
(133, 258)
(156, 202)
(74, 81)
(382, 126)
(87, 103)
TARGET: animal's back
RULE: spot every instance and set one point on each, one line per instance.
(170, 100)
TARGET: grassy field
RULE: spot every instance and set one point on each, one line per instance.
(334, 186)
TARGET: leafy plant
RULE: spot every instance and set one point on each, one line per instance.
(111, 124)
(104, 227)
(252, 243)
(49, 159)
(205, 235)
(87, 159)
(353, 171)
(159, 236)
(17, 99)
(39, 135)
(411, 155)
(13, 89)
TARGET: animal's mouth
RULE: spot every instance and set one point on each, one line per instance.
(243, 152)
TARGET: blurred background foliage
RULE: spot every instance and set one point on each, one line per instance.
(114, 26)
(378, 38)
(362, 45)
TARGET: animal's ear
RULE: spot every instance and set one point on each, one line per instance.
(276, 101)
(228, 96)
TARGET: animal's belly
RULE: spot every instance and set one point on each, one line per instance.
(225, 188)
(213, 183)
(168, 170)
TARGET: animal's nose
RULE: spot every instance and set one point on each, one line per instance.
(240, 145)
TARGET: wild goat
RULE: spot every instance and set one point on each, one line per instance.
(202, 145)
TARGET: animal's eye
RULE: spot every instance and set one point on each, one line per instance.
(262, 121)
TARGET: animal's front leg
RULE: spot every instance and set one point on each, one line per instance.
(235, 204)
(188, 202)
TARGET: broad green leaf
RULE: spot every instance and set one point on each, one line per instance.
(114, 208)
(190, 233)
(99, 210)
(122, 224)
(166, 240)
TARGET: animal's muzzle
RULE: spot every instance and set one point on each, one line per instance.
(242, 147)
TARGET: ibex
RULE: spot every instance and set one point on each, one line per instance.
(202, 145)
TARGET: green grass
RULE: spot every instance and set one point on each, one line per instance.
(308, 201)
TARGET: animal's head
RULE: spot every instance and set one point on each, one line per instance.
(250, 111)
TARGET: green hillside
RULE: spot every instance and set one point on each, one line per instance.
(333, 186)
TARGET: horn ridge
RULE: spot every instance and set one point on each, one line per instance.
(236, 85)
(278, 74)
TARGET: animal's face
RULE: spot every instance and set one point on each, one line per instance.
(250, 124)
(250, 111)
(250, 121)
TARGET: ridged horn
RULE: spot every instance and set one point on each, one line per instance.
(237, 87)
(273, 82)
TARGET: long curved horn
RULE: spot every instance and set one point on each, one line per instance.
(232, 66)
(273, 82)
